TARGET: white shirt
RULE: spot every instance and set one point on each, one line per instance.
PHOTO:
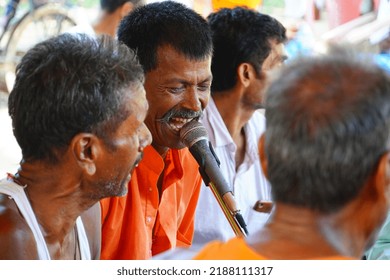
(248, 183)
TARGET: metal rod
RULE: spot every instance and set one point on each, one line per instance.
(237, 229)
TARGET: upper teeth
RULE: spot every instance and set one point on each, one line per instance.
(179, 123)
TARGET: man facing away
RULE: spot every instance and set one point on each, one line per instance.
(326, 150)
(78, 108)
(247, 45)
(174, 47)
(111, 13)
(108, 18)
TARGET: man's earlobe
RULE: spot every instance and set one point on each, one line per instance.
(91, 168)
(262, 155)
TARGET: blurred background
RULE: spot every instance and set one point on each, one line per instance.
(311, 24)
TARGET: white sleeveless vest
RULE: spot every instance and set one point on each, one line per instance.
(16, 192)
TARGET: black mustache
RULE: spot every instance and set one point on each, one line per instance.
(182, 113)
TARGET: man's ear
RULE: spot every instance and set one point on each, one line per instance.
(126, 8)
(370, 207)
(245, 72)
(262, 156)
(382, 177)
(86, 149)
(377, 187)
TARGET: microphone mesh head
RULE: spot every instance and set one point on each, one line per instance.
(193, 132)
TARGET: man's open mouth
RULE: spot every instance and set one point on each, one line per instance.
(177, 123)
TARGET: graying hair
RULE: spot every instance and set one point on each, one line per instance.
(328, 121)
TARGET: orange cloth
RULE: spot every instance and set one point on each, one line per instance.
(218, 4)
(237, 249)
(140, 224)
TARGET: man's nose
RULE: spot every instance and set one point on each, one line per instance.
(145, 138)
(192, 100)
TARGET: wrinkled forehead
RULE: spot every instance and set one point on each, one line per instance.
(171, 62)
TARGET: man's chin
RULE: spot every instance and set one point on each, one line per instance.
(124, 190)
(178, 146)
(171, 138)
(170, 143)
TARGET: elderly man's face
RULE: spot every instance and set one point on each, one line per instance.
(177, 91)
(125, 147)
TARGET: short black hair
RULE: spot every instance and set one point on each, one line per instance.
(240, 35)
(165, 23)
(67, 85)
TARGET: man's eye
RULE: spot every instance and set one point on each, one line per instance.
(204, 87)
(176, 90)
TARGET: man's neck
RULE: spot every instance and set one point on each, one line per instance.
(235, 117)
(298, 233)
(106, 24)
(233, 113)
(55, 200)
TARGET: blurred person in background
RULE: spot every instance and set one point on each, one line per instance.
(111, 13)
(247, 45)
(383, 57)
(107, 21)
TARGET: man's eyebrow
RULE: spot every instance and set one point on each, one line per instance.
(208, 79)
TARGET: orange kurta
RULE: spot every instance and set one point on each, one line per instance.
(141, 224)
(237, 249)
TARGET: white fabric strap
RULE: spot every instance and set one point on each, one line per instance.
(19, 196)
(83, 240)
(17, 193)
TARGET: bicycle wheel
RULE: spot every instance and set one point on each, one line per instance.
(36, 26)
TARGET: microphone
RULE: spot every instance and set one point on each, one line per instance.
(194, 136)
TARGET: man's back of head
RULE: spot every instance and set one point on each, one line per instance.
(328, 123)
(327, 156)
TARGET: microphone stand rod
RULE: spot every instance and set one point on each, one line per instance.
(230, 216)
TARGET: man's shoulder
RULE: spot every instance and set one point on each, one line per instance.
(257, 122)
(16, 238)
(258, 116)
